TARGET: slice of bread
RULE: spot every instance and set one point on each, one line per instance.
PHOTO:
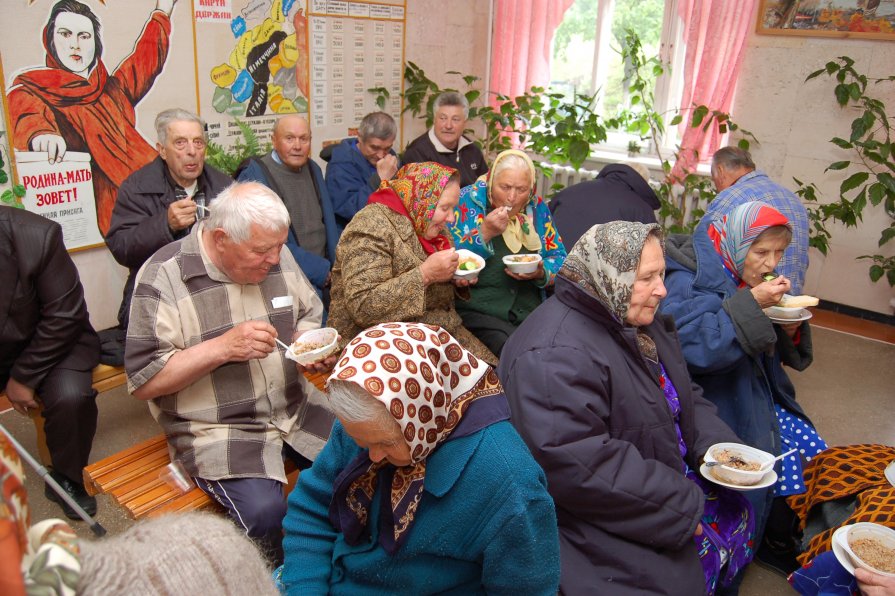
(798, 301)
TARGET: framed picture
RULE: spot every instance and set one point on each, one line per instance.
(866, 19)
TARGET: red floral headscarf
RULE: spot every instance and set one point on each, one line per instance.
(414, 192)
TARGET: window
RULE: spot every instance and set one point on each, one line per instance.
(586, 56)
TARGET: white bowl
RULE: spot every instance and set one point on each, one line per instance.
(736, 476)
(469, 274)
(324, 342)
(868, 530)
(783, 312)
(519, 264)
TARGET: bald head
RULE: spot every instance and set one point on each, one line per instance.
(292, 141)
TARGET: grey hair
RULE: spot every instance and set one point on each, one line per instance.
(377, 125)
(732, 159)
(166, 117)
(242, 204)
(512, 162)
(451, 98)
(350, 402)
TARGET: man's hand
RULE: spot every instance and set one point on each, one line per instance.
(165, 6)
(536, 274)
(54, 145)
(769, 293)
(181, 214)
(20, 396)
(249, 341)
(439, 266)
(495, 223)
(874, 584)
(387, 167)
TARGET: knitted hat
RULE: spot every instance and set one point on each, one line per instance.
(198, 553)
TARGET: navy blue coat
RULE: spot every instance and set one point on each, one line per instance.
(733, 351)
(315, 267)
(596, 420)
(350, 180)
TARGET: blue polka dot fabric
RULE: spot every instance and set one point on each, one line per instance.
(795, 433)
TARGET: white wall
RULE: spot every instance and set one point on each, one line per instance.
(794, 121)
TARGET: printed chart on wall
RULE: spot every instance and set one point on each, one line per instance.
(312, 57)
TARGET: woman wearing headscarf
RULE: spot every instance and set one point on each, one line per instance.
(716, 293)
(423, 487)
(76, 104)
(599, 390)
(395, 260)
(501, 215)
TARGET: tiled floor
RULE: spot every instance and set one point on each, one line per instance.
(849, 392)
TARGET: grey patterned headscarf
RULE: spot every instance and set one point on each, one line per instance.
(604, 262)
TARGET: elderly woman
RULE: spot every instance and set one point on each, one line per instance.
(501, 215)
(424, 487)
(395, 260)
(76, 104)
(599, 390)
(716, 294)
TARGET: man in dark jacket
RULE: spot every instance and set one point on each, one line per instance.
(444, 142)
(291, 174)
(357, 166)
(160, 202)
(47, 346)
(619, 192)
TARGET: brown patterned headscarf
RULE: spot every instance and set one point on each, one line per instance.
(604, 264)
(434, 389)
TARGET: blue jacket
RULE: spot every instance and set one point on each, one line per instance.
(485, 524)
(315, 267)
(350, 180)
(733, 350)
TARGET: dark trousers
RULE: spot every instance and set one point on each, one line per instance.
(69, 411)
(257, 505)
(491, 331)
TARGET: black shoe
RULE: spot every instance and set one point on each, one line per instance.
(76, 491)
(778, 558)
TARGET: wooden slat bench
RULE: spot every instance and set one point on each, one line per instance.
(132, 478)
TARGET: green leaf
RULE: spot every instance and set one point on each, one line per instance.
(841, 92)
(853, 181)
(698, 115)
(815, 74)
(18, 190)
(841, 143)
(578, 152)
(877, 192)
(876, 273)
(676, 120)
(743, 144)
(838, 165)
(831, 67)
(3, 177)
(887, 235)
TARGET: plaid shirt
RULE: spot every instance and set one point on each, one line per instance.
(232, 422)
(756, 186)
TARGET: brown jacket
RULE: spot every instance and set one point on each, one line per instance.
(377, 279)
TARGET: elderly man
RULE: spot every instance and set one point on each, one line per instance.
(206, 313)
(444, 142)
(288, 171)
(358, 166)
(47, 345)
(738, 182)
(159, 203)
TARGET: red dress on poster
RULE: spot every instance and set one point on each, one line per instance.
(94, 114)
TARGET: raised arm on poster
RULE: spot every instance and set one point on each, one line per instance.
(75, 104)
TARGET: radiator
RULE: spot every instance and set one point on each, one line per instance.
(564, 175)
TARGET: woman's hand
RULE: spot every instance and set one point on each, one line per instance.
(536, 274)
(769, 293)
(439, 266)
(54, 145)
(874, 584)
(495, 223)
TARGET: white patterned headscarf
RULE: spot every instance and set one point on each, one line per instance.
(604, 262)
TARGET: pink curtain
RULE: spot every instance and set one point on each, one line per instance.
(715, 37)
(520, 50)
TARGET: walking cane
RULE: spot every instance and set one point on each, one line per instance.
(43, 473)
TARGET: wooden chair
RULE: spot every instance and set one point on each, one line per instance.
(132, 478)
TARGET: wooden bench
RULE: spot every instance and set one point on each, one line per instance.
(132, 478)
(104, 378)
